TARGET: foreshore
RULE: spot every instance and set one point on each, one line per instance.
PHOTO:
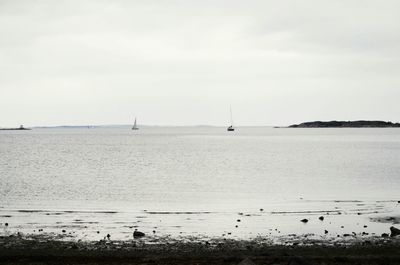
(17, 249)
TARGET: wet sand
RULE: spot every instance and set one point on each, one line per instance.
(325, 220)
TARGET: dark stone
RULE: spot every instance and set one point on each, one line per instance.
(304, 221)
(63, 231)
(108, 236)
(138, 234)
(365, 226)
(321, 218)
(326, 232)
(238, 220)
(6, 224)
(261, 209)
(394, 231)
(385, 235)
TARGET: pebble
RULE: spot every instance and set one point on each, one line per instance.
(304, 220)
(63, 231)
(6, 224)
(326, 232)
(321, 218)
(238, 220)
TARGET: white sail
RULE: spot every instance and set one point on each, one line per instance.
(135, 125)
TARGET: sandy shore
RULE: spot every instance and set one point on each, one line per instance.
(18, 249)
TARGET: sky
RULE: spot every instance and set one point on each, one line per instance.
(186, 62)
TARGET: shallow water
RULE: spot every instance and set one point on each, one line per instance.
(198, 181)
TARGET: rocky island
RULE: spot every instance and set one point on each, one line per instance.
(11, 129)
(346, 124)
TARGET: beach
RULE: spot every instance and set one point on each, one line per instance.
(41, 250)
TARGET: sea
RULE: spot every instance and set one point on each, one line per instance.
(199, 182)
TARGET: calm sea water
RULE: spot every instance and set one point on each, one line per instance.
(196, 180)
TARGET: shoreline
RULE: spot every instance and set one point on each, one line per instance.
(18, 249)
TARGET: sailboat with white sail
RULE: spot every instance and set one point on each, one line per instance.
(135, 127)
(231, 128)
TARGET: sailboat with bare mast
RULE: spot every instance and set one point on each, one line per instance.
(135, 127)
(231, 128)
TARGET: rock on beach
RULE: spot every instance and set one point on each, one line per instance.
(394, 231)
(137, 234)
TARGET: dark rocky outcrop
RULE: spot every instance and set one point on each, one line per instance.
(346, 124)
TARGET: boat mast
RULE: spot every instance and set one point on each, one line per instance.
(230, 108)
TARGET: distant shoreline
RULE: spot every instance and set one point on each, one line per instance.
(346, 124)
(15, 129)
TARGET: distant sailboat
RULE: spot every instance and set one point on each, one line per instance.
(135, 127)
(231, 128)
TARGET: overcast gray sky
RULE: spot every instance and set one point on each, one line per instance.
(184, 62)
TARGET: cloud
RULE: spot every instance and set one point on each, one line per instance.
(158, 58)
